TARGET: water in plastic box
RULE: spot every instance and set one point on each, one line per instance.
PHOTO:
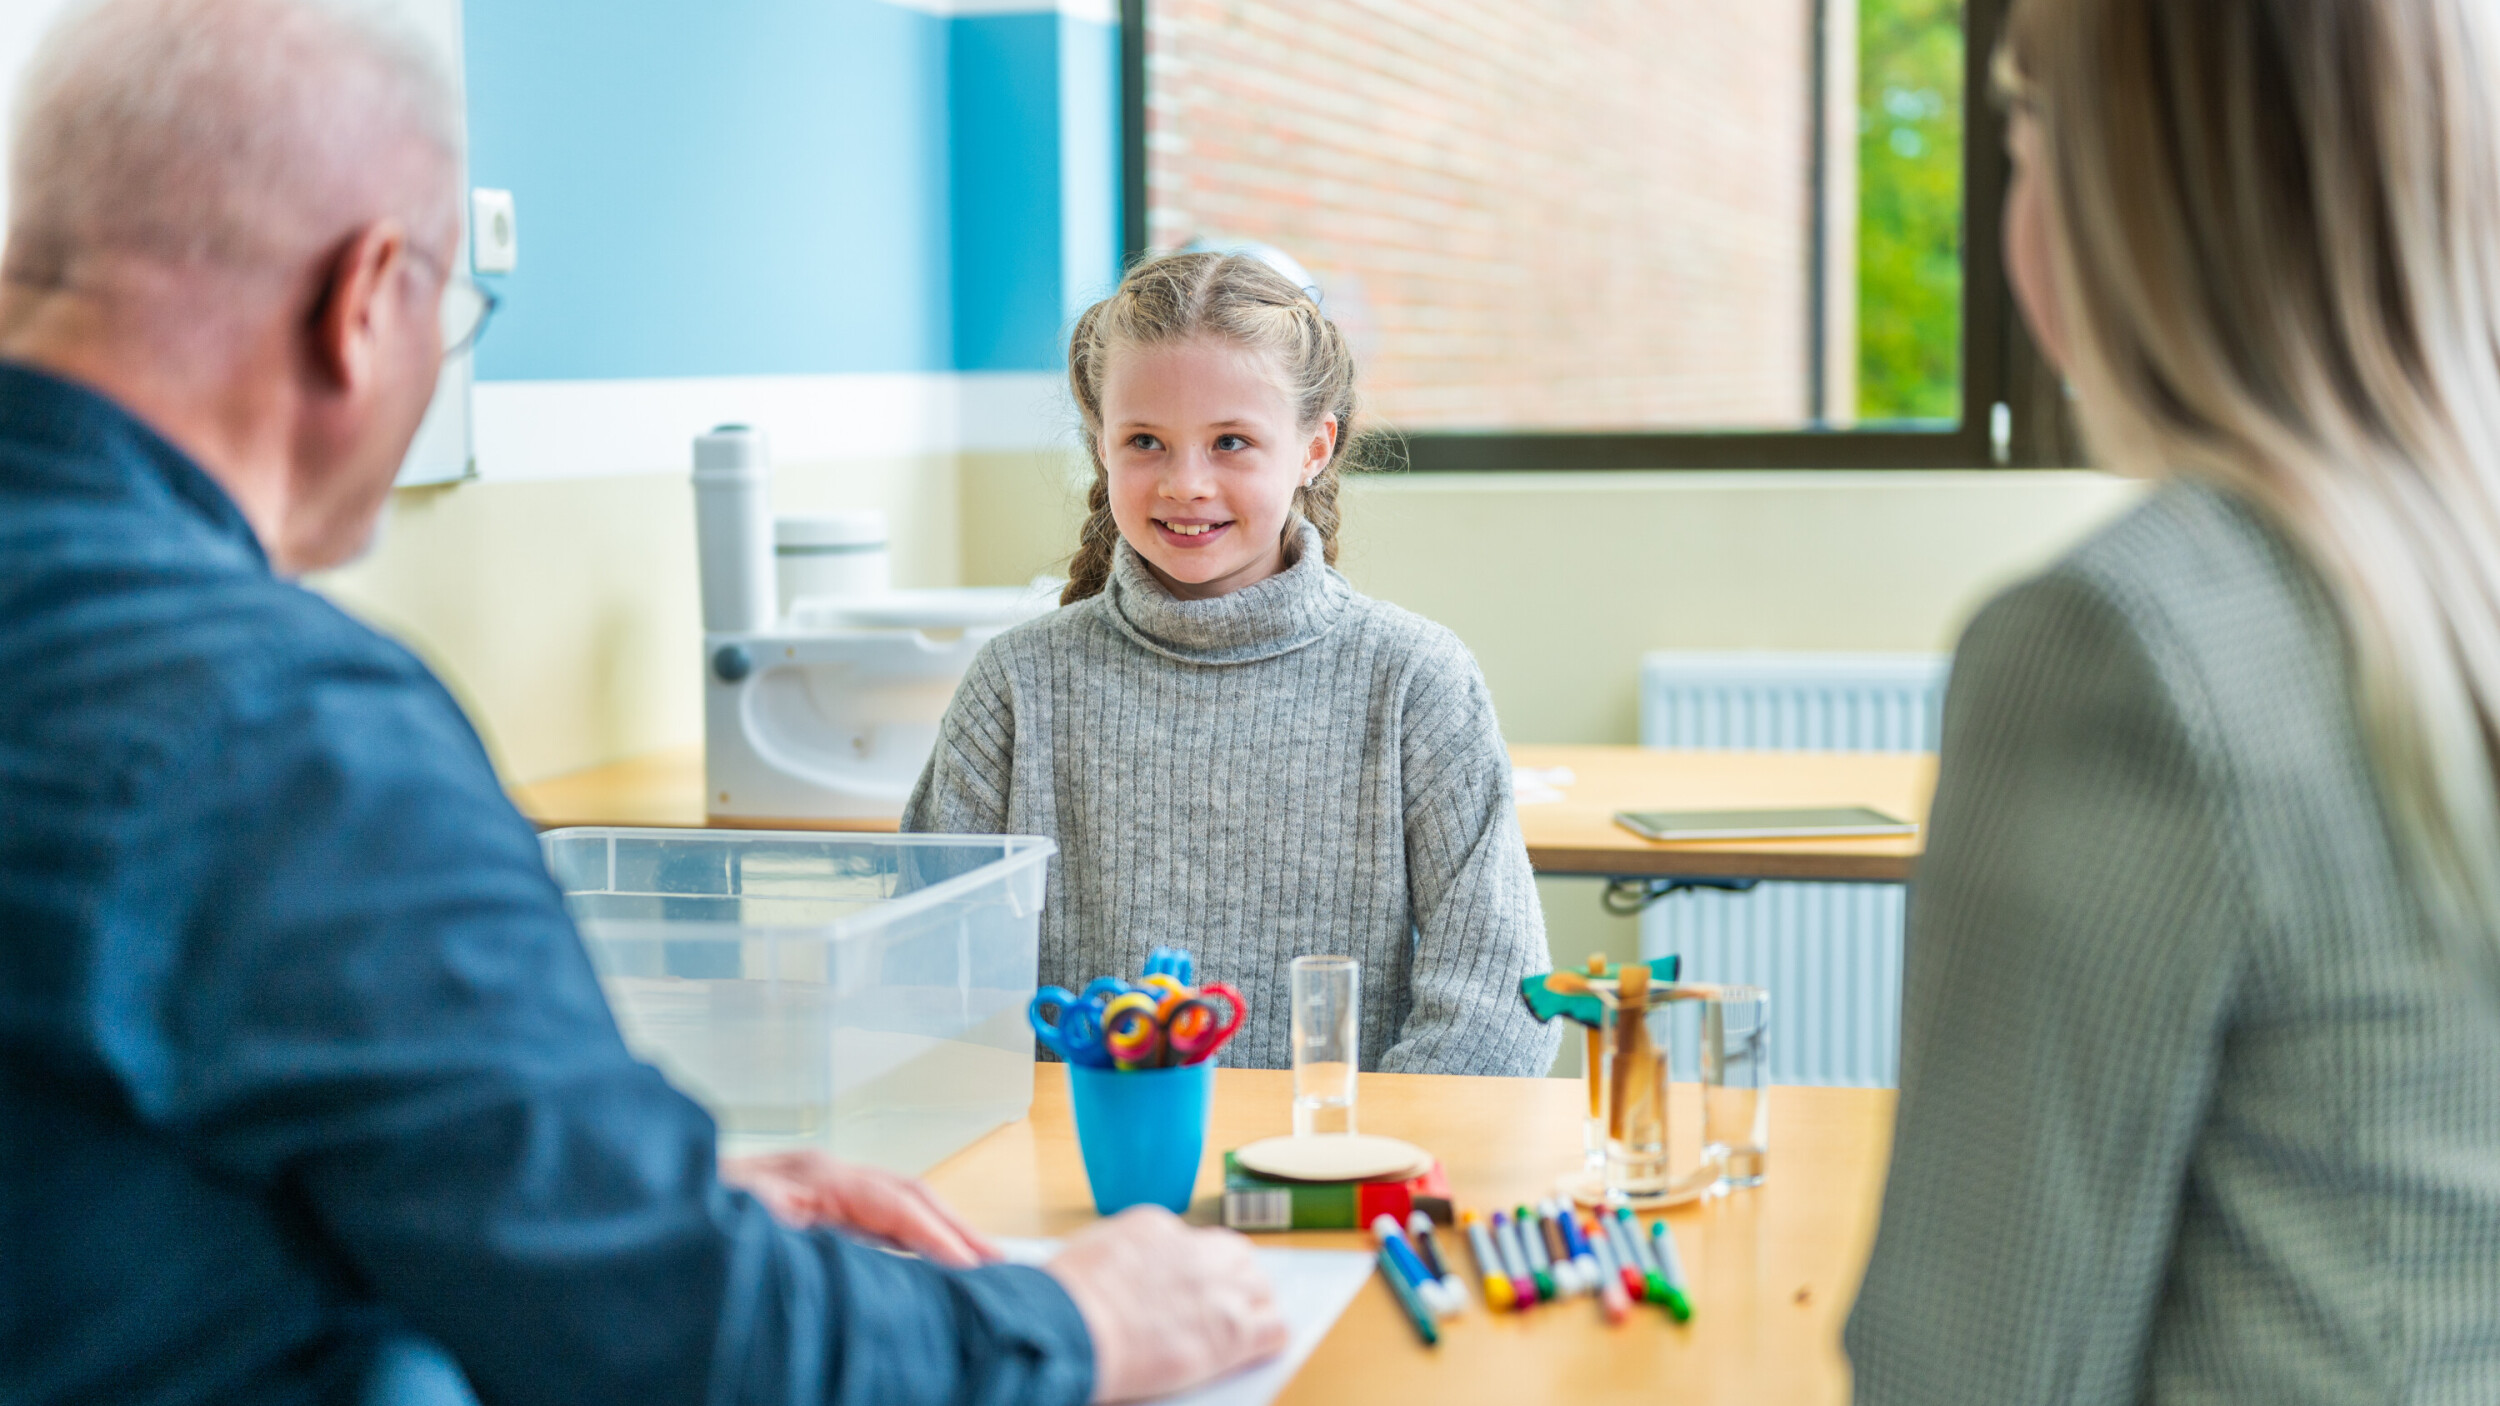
(776, 1071)
(888, 1053)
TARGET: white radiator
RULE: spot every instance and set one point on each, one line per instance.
(1829, 954)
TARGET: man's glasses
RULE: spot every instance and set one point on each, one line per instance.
(466, 306)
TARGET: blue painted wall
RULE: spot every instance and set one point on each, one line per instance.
(1089, 163)
(790, 187)
(1006, 165)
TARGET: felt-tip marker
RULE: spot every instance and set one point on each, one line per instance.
(1497, 1294)
(1573, 1247)
(1566, 1259)
(1648, 1257)
(1428, 1245)
(1660, 1292)
(1581, 1255)
(1427, 1288)
(1557, 1253)
(1514, 1260)
(1540, 1233)
(1627, 1273)
(1638, 1281)
(1416, 1313)
(1540, 1265)
(1671, 1268)
(1611, 1298)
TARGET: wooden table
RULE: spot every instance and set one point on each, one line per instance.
(1578, 834)
(1772, 1269)
(1575, 835)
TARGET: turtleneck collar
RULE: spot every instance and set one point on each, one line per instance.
(1293, 608)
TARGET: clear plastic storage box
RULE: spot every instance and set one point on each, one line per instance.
(864, 994)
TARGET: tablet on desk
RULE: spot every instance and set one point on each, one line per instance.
(1817, 823)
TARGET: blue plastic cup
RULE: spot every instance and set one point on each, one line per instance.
(1142, 1132)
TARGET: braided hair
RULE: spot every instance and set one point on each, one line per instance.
(1247, 303)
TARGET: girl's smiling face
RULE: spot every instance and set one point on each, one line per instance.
(1202, 454)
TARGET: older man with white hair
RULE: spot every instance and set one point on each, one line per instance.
(307, 1091)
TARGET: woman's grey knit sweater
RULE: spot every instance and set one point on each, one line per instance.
(1289, 769)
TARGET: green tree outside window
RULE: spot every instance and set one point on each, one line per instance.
(1910, 209)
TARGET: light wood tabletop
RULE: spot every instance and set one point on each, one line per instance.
(1573, 835)
(1578, 834)
(1772, 1269)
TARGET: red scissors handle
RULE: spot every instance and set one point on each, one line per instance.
(1195, 1029)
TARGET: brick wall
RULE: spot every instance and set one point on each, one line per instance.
(1550, 213)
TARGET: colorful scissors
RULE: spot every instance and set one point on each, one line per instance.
(1195, 1028)
(1070, 1026)
(1166, 990)
(1153, 1023)
(1183, 1029)
(1132, 1032)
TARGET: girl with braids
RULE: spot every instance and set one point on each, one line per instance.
(1235, 751)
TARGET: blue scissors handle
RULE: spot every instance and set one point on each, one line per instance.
(1103, 988)
(1174, 962)
(1049, 1009)
(1080, 1034)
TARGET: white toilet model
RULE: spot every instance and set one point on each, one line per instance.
(822, 685)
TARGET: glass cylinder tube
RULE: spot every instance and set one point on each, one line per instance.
(1736, 1084)
(1327, 1041)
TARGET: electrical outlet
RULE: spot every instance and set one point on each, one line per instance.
(494, 241)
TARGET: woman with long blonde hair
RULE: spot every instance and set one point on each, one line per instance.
(2200, 1093)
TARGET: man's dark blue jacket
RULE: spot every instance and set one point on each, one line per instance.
(299, 1053)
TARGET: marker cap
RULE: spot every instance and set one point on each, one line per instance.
(1616, 1303)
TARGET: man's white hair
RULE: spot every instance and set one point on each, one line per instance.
(246, 134)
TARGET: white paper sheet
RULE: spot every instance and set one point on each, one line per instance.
(1534, 786)
(1312, 1286)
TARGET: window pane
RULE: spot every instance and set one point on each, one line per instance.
(1910, 210)
(1586, 214)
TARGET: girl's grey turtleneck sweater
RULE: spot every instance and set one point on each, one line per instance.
(1289, 769)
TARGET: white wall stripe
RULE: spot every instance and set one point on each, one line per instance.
(583, 429)
(1099, 11)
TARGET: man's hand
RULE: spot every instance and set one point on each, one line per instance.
(809, 1188)
(1168, 1307)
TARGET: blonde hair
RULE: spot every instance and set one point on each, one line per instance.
(1245, 302)
(2278, 254)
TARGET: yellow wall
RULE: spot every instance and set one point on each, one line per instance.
(564, 613)
(1560, 583)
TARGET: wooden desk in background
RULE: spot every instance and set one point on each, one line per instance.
(1578, 834)
(1575, 835)
(1772, 1269)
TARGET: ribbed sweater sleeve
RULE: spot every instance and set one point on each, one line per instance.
(964, 788)
(1478, 925)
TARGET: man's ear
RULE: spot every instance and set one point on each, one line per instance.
(346, 330)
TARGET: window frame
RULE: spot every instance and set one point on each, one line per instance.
(2000, 365)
